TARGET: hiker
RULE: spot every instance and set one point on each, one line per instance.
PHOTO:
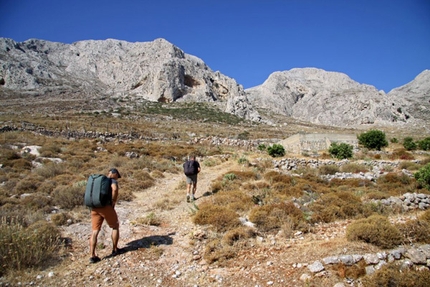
(99, 214)
(191, 169)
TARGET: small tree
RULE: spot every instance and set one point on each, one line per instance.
(276, 150)
(424, 144)
(373, 139)
(423, 176)
(341, 151)
(409, 144)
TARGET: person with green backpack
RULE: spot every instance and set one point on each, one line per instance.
(108, 213)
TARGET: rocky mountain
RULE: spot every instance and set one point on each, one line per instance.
(333, 99)
(114, 71)
(415, 96)
(155, 71)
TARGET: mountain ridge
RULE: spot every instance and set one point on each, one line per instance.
(160, 71)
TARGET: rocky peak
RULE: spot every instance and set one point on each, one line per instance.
(415, 96)
(155, 71)
(327, 98)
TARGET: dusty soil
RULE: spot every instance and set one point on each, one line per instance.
(171, 254)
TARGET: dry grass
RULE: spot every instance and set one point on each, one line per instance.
(375, 230)
(252, 190)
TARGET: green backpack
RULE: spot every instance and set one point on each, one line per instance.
(98, 192)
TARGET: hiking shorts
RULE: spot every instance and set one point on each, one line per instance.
(192, 179)
(99, 214)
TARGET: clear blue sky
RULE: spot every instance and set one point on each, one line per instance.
(384, 43)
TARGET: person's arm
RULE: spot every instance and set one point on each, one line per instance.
(198, 168)
(114, 193)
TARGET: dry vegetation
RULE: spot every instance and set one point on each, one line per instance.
(39, 194)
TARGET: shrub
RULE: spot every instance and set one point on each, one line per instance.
(409, 144)
(401, 154)
(150, 219)
(68, 197)
(375, 230)
(28, 247)
(215, 251)
(337, 205)
(272, 216)
(341, 151)
(424, 144)
(423, 176)
(262, 147)
(415, 231)
(50, 169)
(276, 150)
(394, 140)
(354, 168)
(59, 219)
(233, 236)
(373, 139)
(220, 218)
(329, 169)
(391, 275)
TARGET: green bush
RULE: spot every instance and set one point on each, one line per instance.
(276, 150)
(424, 144)
(373, 139)
(423, 176)
(409, 144)
(341, 151)
(376, 230)
(262, 147)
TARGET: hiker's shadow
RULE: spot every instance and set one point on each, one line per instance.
(147, 242)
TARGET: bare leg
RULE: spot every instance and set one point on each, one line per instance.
(194, 188)
(93, 242)
(115, 239)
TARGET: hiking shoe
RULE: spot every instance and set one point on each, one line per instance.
(94, 259)
(193, 198)
(188, 198)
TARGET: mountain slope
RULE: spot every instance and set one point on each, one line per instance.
(155, 71)
(328, 98)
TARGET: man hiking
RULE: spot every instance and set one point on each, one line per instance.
(191, 169)
(108, 213)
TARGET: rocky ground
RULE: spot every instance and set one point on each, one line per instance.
(171, 254)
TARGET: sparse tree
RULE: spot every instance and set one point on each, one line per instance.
(373, 139)
(409, 144)
(423, 176)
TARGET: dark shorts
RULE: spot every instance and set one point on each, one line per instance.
(99, 214)
(192, 179)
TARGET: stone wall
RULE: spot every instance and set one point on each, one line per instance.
(300, 143)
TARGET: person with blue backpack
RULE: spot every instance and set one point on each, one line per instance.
(191, 169)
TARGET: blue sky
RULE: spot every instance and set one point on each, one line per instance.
(384, 43)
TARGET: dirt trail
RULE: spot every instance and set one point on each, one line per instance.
(142, 265)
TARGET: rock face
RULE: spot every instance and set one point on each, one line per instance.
(155, 71)
(415, 96)
(333, 99)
